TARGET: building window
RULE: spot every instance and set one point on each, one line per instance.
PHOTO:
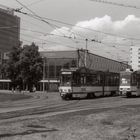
(51, 71)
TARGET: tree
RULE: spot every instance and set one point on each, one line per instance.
(24, 66)
(11, 68)
(31, 65)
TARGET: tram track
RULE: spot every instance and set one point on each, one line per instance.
(43, 108)
(68, 106)
(64, 106)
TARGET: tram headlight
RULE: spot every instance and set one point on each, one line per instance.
(128, 89)
(121, 89)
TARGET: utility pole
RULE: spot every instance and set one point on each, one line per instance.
(43, 74)
(86, 52)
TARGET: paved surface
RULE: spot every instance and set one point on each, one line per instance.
(51, 104)
(50, 118)
(47, 117)
(38, 99)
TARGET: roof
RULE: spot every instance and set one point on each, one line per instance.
(59, 54)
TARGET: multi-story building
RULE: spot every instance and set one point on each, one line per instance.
(9, 29)
(9, 35)
(135, 57)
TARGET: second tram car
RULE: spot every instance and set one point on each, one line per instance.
(86, 83)
(129, 83)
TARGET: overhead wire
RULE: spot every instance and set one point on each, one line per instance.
(86, 28)
(34, 15)
(42, 19)
(101, 1)
(54, 42)
(35, 2)
(116, 4)
(37, 44)
(78, 39)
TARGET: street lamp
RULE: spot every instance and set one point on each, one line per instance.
(43, 74)
(86, 52)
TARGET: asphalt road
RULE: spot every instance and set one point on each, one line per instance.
(46, 116)
(50, 104)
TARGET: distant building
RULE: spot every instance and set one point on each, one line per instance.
(135, 57)
(56, 60)
(9, 36)
(9, 30)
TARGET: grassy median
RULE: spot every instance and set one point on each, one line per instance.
(13, 97)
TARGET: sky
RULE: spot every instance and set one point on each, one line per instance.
(104, 29)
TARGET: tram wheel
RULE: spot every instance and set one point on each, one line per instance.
(128, 94)
(113, 93)
(90, 95)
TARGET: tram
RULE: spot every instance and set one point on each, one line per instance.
(86, 83)
(129, 83)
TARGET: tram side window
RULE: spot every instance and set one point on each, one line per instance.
(100, 79)
(95, 80)
(83, 80)
(138, 81)
(106, 80)
(133, 79)
(76, 79)
(116, 80)
(89, 80)
(112, 80)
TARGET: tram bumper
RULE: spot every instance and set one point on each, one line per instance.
(125, 91)
(65, 95)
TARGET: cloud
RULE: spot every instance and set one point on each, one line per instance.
(129, 26)
(95, 29)
(103, 23)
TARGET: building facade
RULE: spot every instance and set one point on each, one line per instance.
(9, 35)
(56, 60)
(135, 57)
(9, 29)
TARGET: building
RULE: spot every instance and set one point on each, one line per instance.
(9, 35)
(135, 57)
(56, 60)
(9, 29)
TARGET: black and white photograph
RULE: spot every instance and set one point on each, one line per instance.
(69, 70)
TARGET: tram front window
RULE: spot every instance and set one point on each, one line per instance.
(66, 80)
(125, 79)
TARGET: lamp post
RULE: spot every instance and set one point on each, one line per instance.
(44, 74)
(86, 53)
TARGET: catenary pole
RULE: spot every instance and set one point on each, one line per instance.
(86, 52)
